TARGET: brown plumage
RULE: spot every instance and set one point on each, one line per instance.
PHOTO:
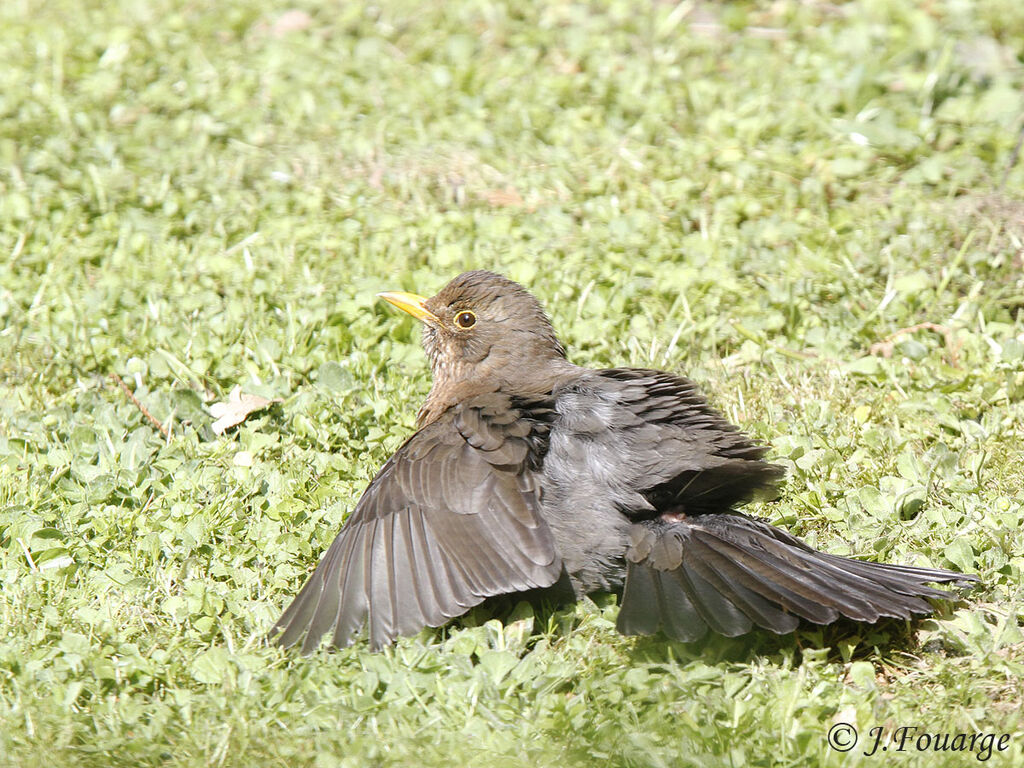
(529, 471)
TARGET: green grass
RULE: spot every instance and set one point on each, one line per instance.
(193, 196)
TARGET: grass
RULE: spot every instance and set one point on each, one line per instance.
(199, 195)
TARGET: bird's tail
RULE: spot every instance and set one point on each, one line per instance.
(730, 572)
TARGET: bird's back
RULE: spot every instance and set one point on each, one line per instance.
(631, 444)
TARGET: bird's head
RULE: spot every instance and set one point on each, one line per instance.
(483, 332)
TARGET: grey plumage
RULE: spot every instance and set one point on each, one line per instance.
(528, 470)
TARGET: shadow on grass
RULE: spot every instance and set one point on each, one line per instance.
(845, 640)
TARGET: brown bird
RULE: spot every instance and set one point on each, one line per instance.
(528, 471)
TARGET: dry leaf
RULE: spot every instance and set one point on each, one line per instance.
(236, 409)
(503, 198)
(885, 347)
(291, 21)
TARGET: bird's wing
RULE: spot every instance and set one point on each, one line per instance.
(451, 519)
(689, 457)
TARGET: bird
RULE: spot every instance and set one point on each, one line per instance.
(528, 472)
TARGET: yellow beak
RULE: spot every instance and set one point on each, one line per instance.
(409, 302)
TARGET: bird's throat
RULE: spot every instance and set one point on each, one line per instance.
(447, 393)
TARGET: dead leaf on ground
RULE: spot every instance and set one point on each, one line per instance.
(885, 347)
(294, 20)
(237, 408)
(503, 198)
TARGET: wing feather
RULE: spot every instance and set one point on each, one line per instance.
(687, 455)
(451, 519)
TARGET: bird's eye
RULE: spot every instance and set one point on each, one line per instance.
(465, 319)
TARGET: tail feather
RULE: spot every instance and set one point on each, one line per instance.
(728, 572)
(776, 606)
(775, 579)
(719, 612)
(644, 611)
(753, 607)
(684, 615)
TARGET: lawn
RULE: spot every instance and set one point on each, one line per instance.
(814, 210)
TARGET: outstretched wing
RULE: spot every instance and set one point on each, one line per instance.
(451, 519)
